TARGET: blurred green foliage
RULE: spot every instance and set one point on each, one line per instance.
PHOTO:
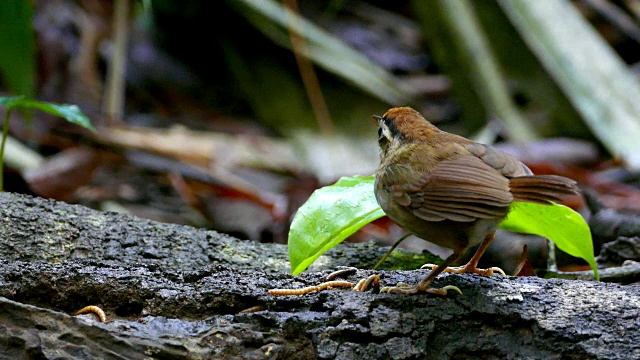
(17, 49)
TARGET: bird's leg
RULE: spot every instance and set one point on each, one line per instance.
(425, 284)
(472, 265)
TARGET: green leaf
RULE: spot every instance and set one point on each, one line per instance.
(331, 214)
(11, 101)
(71, 113)
(334, 212)
(558, 223)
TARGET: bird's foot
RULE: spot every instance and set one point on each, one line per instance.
(467, 268)
(414, 289)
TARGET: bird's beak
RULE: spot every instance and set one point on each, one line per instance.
(376, 119)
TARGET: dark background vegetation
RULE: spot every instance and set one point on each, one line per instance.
(228, 123)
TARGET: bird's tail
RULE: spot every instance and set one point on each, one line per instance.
(542, 188)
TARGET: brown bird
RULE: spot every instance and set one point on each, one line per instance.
(450, 190)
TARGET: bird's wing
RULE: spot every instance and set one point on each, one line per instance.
(463, 188)
(524, 186)
(505, 164)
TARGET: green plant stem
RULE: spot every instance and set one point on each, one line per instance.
(390, 250)
(5, 132)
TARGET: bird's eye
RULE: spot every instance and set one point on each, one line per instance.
(383, 137)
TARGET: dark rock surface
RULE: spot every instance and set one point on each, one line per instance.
(616, 252)
(35, 229)
(172, 292)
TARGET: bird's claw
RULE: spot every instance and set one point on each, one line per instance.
(496, 269)
(450, 287)
(429, 266)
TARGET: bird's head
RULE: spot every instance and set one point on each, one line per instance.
(400, 126)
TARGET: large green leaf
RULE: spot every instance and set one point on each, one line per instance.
(565, 227)
(331, 214)
(334, 212)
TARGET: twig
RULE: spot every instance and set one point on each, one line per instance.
(307, 73)
(623, 274)
(390, 250)
(253, 309)
(114, 102)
